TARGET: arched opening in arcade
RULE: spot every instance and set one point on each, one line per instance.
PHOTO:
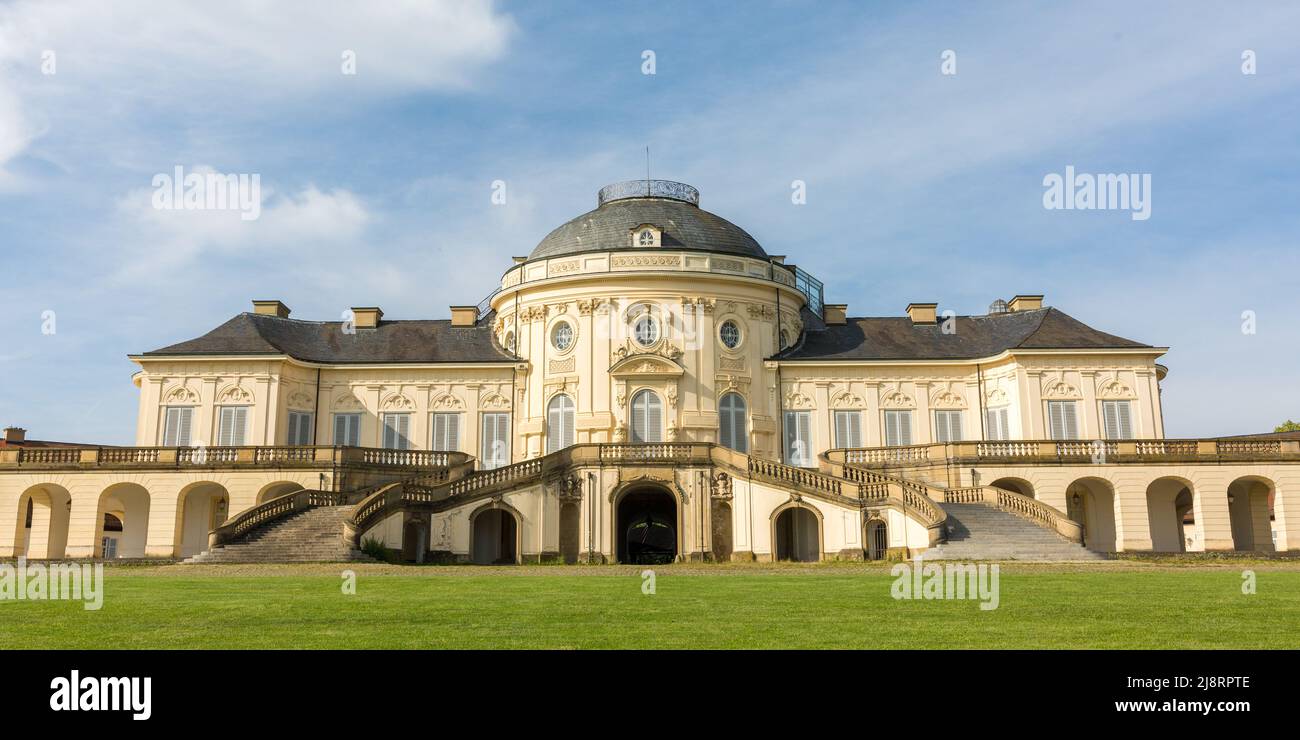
(877, 539)
(123, 517)
(1015, 485)
(796, 534)
(1170, 513)
(276, 490)
(42, 527)
(1091, 503)
(494, 536)
(647, 526)
(1250, 509)
(203, 508)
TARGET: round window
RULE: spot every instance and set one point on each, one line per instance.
(510, 341)
(562, 336)
(647, 238)
(729, 333)
(646, 330)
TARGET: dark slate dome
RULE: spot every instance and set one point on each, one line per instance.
(671, 206)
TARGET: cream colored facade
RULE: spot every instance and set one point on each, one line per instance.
(613, 369)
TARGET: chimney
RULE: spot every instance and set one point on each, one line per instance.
(519, 260)
(271, 308)
(777, 258)
(835, 314)
(367, 317)
(1025, 303)
(922, 313)
(464, 315)
(15, 435)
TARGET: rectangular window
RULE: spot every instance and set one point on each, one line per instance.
(446, 432)
(947, 426)
(1117, 419)
(1062, 420)
(898, 428)
(848, 429)
(798, 438)
(232, 423)
(176, 429)
(997, 424)
(347, 430)
(397, 431)
(300, 428)
(495, 441)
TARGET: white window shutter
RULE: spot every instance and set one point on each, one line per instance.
(1071, 421)
(1123, 413)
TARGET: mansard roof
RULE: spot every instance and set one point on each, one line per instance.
(430, 341)
(898, 338)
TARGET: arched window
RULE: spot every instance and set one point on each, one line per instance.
(647, 238)
(647, 417)
(731, 423)
(559, 423)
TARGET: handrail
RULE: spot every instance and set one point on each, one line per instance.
(1056, 451)
(271, 510)
(1017, 503)
(320, 456)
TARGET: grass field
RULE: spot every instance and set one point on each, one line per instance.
(1111, 605)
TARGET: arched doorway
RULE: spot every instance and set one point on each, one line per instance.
(1171, 517)
(796, 535)
(128, 503)
(42, 531)
(203, 508)
(877, 539)
(1091, 503)
(276, 490)
(570, 531)
(646, 526)
(1015, 485)
(415, 539)
(494, 537)
(1250, 513)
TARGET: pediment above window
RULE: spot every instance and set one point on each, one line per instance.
(646, 364)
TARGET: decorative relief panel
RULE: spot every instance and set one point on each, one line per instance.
(563, 268)
(234, 395)
(301, 401)
(731, 265)
(847, 399)
(496, 401)
(180, 395)
(397, 402)
(562, 366)
(892, 397)
(647, 260)
(348, 402)
(946, 397)
(1058, 388)
(1114, 388)
(447, 402)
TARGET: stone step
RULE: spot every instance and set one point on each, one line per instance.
(314, 535)
(985, 532)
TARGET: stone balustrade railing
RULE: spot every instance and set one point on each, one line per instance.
(1025, 506)
(1056, 451)
(265, 456)
(268, 511)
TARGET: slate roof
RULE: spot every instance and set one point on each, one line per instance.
(684, 226)
(897, 338)
(431, 341)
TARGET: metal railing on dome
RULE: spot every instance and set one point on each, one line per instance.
(811, 288)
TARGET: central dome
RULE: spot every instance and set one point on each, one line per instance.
(671, 207)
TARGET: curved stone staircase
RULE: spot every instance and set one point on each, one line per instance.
(984, 532)
(306, 536)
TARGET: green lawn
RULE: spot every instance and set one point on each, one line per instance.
(694, 607)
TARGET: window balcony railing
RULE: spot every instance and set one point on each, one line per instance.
(265, 456)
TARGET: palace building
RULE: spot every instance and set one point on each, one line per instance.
(650, 384)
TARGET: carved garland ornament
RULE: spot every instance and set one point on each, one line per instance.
(234, 395)
(895, 398)
(180, 395)
(397, 402)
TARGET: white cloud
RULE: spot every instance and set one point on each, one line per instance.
(309, 223)
(111, 56)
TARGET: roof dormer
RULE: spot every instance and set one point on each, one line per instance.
(647, 236)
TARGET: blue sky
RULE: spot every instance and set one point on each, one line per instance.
(376, 186)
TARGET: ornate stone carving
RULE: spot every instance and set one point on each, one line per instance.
(180, 395)
(301, 401)
(348, 402)
(561, 268)
(847, 400)
(729, 265)
(1114, 388)
(671, 394)
(569, 488)
(665, 349)
(647, 260)
(895, 398)
(1058, 388)
(234, 395)
(397, 402)
(588, 307)
(532, 313)
(947, 398)
(566, 365)
(796, 400)
(722, 487)
(495, 402)
(447, 402)
(761, 312)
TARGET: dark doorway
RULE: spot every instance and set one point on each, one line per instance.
(797, 536)
(647, 527)
(495, 536)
